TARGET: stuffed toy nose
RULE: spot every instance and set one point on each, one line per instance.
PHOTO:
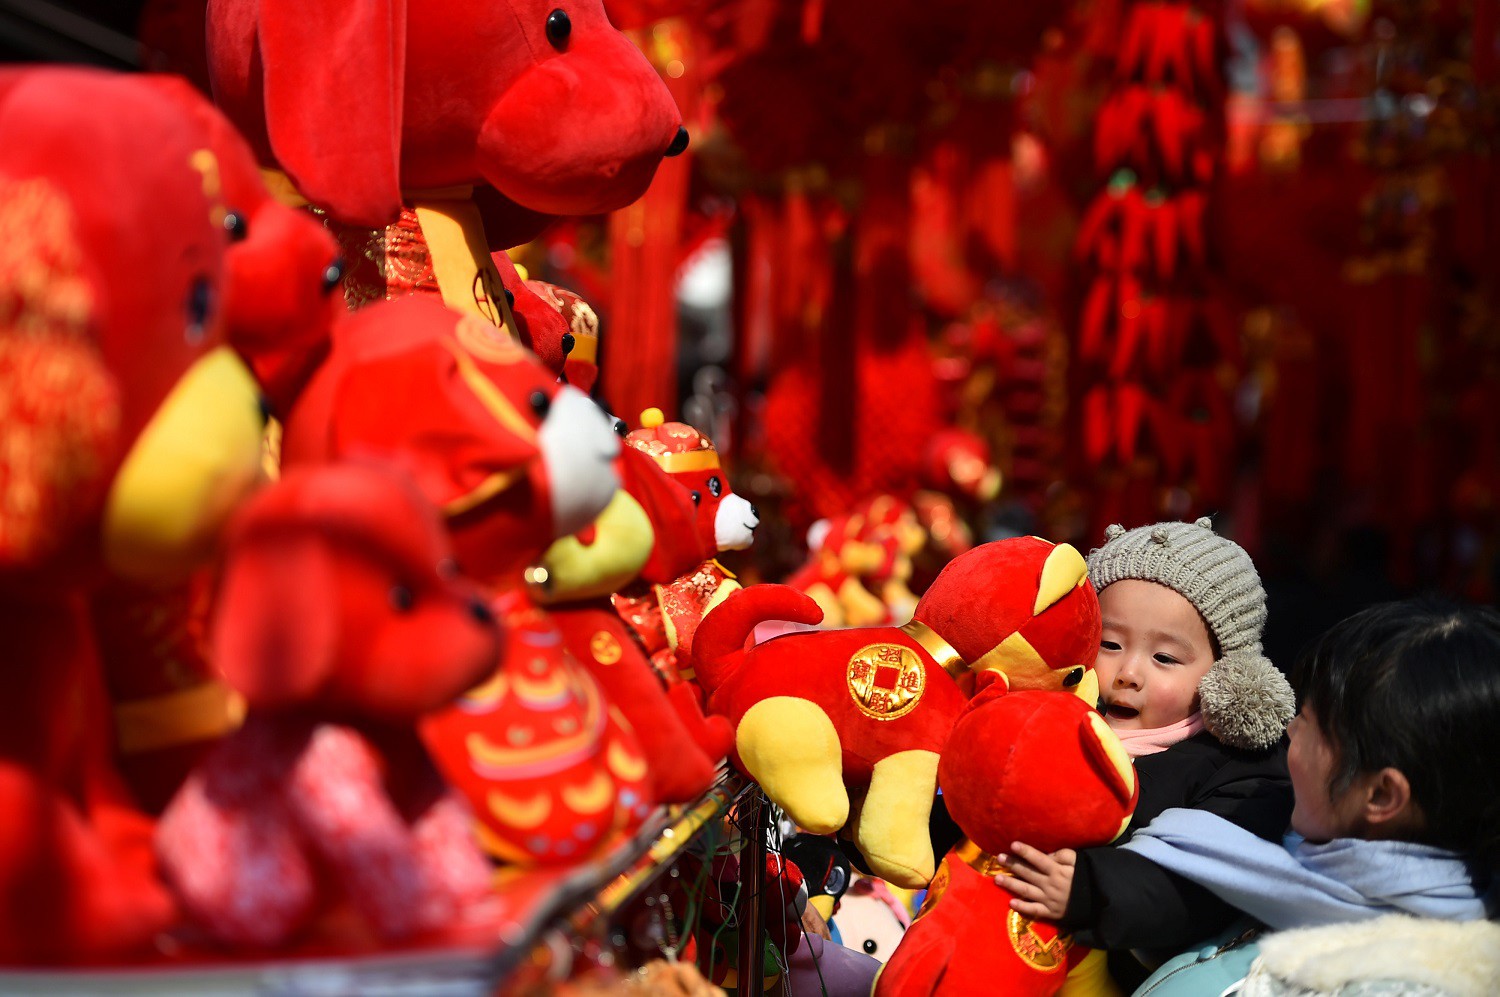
(480, 612)
(616, 134)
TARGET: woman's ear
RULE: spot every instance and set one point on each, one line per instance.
(1389, 809)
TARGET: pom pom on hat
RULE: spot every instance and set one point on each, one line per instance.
(1247, 703)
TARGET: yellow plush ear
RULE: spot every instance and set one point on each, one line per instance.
(1110, 759)
(619, 547)
(197, 458)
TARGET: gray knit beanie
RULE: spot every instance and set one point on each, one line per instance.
(1246, 701)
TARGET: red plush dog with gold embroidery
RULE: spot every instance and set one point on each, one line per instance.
(1017, 766)
(574, 580)
(683, 580)
(872, 708)
(433, 134)
(131, 432)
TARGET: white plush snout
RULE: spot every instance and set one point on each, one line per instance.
(735, 523)
(579, 448)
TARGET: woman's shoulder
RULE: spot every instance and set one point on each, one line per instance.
(1395, 954)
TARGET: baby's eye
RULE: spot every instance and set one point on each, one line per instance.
(1166, 659)
(1108, 645)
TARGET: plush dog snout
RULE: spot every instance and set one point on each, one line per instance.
(481, 612)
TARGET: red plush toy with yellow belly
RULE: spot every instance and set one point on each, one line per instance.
(823, 716)
(1031, 766)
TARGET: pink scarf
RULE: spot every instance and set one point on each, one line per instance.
(1149, 742)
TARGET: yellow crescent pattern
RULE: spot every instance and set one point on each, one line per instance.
(592, 797)
(623, 762)
(525, 814)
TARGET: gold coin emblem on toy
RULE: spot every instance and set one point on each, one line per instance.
(886, 681)
(1037, 951)
(605, 648)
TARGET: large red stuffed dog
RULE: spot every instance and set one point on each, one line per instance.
(549, 109)
(822, 713)
(130, 434)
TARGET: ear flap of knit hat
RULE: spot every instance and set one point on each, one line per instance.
(1247, 703)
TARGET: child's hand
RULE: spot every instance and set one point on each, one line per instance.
(1040, 882)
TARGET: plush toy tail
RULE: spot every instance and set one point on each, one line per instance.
(724, 631)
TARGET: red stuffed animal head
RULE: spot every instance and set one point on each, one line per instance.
(1022, 607)
(358, 100)
(724, 520)
(512, 458)
(282, 268)
(1035, 767)
(142, 431)
(340, 590)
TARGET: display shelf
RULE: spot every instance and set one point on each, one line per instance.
(540, 911)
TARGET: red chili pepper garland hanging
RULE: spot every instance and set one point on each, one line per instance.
(1155, 367)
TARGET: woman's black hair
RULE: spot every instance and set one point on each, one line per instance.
(1415, 685)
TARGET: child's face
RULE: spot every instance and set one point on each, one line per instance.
(1154, 649)
(1317, 815)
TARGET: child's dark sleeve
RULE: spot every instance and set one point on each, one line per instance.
(1121, 900)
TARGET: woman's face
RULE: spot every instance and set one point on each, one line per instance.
(1317, 814)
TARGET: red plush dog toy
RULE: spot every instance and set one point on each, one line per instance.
(452, 129)
(341, 622)
(683, 581)
(130, 434)
(819, 714)
(683, 749)
(281, 269)
(513, 459)
(1030, 766)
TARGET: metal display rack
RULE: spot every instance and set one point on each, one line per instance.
(550, 917)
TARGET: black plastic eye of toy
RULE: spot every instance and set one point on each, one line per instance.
(234, 224)
(559, 27)
(870, 946)
(679, 143)
(332, 274)
(715, 486)
(696, 497)
(540, 404)
(1074, 676)
(200, 303)
(567, 342)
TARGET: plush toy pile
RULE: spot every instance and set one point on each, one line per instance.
(330, 591)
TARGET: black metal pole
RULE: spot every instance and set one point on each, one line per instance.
(752, 913)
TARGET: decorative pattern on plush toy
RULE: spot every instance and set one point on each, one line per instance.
(552, 769)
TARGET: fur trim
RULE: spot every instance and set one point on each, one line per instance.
(1246, 702)
(1457, 958)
